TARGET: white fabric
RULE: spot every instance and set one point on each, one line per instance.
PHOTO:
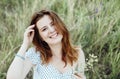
(46, 71)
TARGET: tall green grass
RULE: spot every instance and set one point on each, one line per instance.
(94, 24)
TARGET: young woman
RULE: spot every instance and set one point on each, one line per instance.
(53, 56)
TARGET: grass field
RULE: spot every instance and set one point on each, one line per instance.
(93, 24)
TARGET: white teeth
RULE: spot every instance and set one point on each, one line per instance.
(53, 36)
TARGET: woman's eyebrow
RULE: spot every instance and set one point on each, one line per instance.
(42, 27)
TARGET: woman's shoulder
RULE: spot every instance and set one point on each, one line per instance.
(33, 55)
(80, 64)
(80, 51)
(32, 50)
(81, 55)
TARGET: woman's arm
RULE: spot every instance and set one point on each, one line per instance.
(79, 74)
(20, 67)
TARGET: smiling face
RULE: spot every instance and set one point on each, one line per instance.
(47, 31)
(50, 30)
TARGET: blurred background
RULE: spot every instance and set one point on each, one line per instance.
(93, 24)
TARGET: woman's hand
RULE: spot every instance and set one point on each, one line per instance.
(28, 36)
(19, 67)
(79, 76)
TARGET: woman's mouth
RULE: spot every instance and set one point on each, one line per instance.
(54, 35)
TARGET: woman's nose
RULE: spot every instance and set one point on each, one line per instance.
(51, 28)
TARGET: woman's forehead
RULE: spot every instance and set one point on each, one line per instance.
(44, 21)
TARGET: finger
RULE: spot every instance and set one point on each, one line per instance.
(77, 77)
(30, 27)
(29, 32)
(32, 34)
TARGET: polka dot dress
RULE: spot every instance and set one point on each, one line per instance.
(45, 71)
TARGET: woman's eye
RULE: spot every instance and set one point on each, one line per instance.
(44, 29)
(52, 23)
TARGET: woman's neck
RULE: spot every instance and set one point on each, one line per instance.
(56, 50)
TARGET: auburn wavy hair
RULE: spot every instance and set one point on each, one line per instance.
(69, 52)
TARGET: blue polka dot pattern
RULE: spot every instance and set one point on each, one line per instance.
(46, 71)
